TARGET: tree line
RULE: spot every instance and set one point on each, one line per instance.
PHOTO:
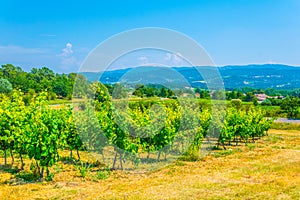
(41, 79)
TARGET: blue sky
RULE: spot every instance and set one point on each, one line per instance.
(60, 34)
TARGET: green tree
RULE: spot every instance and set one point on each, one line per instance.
(5, 86)
(41, 79)
(290, 105)
(219, 95)
(266, 102)
(80, 85)
(249, 97)
(60, 86)
(119, 92)
(139, 91)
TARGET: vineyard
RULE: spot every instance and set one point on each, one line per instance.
(134, 130)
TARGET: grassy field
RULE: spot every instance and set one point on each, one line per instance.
(267, 169)
(286, 126)
(270, 110)
(64, 101)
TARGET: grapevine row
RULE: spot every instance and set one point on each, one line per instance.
(39, 132)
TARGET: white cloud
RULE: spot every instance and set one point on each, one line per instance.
(68, 59)
(155, 65)
(63, 60)
(272, 62)
(144, 60)
(67, 51)
(174, 59)
(168, 57)
(177, 58)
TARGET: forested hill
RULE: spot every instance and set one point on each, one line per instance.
(254, 76)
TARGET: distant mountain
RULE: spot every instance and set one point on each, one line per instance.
(254, 76)
(261, 76)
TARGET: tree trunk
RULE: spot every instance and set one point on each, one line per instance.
(12, 157)
(158, 156)
(121, 160)
(115, 159)
(148, 155)
(38, 169)
(22, 163)
(71, 156)
(5, 159)
(78, 155)
(42, 173)
(48, 172)
(223, 146)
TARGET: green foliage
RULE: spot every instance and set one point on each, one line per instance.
(241, 125)
(5, 86)
(152, 90)
(266, 102)
(38, 132)
(275, 101)
(234, 95)
(250, 97)
(290, 105)
(99, 91)
(255, 102)
(42, 79)
(103, 174)
(49, 176)
(236, 103)
(119, 92)
(78, 85)
(219, 95)
(83, 168)
(204, 94)
(27, 176)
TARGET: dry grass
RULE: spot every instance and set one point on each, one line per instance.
(285, 126)
(268, 169)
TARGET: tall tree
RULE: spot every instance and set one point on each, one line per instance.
(291, 106)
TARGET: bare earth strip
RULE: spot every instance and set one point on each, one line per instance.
(267, 169)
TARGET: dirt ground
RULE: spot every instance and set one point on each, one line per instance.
(266, 169)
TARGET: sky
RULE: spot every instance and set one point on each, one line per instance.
(60, 34)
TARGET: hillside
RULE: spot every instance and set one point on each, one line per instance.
(255, 76)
